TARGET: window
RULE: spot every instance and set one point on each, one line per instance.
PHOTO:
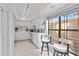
(69, 28)
(54, 28)
(73, 27)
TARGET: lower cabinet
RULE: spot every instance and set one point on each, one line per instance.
(36, 39)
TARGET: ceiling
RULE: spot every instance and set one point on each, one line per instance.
(34, 10)
(18, 9)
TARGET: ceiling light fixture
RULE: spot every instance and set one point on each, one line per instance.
(26, 10)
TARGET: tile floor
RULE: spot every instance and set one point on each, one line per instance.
(26, 48)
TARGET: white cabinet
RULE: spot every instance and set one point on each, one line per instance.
(22, 35)
(36, 39)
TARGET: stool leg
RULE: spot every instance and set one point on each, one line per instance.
(67, 54)
(64, 54)
(54, 53)
(48, 49)
(61, 54)
(57, 53)
(42, 47)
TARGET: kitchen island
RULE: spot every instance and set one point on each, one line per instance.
(36, 39)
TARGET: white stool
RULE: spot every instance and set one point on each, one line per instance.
(45, 40)
(62, 47)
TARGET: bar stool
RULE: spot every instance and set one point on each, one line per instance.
(58, 48)
(45, 40)
(62, 47)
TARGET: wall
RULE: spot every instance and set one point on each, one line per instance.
(0, 31)
(19, 23)
(11, 34)
(6, 32)
(29, 24)
(22, 34)
(39, 23)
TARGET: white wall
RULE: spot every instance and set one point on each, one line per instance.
(6, 32)
(22, 34)
(29, 24)
(19, 23)
(11, 34)
(38, 22)
(0, 31)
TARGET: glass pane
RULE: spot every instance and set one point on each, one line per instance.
(73, 21)
(74, 36)
(50, 24)
(54, 36)
(64, 23)
(54, 23)
(53, 28)
(63, 26)
(63, 34)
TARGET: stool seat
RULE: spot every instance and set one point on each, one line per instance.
(60, 48)
(46, 41)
